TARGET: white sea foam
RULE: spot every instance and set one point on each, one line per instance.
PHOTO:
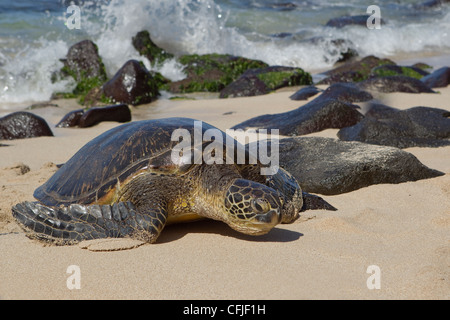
(28, 76)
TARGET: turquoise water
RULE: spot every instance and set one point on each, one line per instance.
(34, 35)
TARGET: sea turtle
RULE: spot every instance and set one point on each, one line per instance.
(125, 183)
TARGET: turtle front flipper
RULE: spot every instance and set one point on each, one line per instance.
(75, 223)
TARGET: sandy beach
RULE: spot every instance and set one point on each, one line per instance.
(403, 229)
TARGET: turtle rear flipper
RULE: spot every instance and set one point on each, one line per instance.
(75, 223)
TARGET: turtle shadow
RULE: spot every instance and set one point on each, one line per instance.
(178, 231)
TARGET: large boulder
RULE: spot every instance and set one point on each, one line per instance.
(211, 72)
(345, 92)
(21, 124)
(395, 70)
(276, 77)
(438, 79)
(316, 115)
(354, 71)
(132, 84)
(83, 61)
(85, 65)
(395, 84)
(329, 166)
(245, 86)
(305, 93)
(266, 80)
(147, 48)
(414, 127)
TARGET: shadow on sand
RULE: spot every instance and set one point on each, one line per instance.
(178, 231)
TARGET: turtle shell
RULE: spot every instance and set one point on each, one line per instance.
(116, 156)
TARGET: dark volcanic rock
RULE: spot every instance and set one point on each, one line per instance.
(414, 127)
(329, 166)
(343, 77)
(93, 116)
(395, 84)
(438, 79)
(211, 72)
(244, 87)
(314, 202)
(316, 115)
(360, 20)
(305, 93)
(83, 64)
(118, 113)
(345, 92)
(276, 77)
(395, 70)
(20, 125)
(146, 47)
(380, 111)
(354, 71)
(71, 119)
(83, 61)
(132, 84)
(265, 80)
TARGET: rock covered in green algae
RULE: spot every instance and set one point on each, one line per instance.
(395, 70)
(316, 115)
(90, 117)
(84, 64)
(143, 43)
(211, 72)
(267, 80)
(354, 71)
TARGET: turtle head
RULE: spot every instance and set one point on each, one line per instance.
(251, 207)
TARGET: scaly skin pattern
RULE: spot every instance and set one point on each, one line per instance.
(124, 183)
(68, 225)
(140, 212)
(145, 204)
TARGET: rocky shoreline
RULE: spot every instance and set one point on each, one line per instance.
(354, 81)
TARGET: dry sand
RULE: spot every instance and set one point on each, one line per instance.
(404, 229)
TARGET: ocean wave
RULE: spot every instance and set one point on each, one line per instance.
(278, 35)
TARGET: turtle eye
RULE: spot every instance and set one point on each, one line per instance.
(260, 205)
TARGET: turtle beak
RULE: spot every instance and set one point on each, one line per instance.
(272, 217)
(260, 224)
